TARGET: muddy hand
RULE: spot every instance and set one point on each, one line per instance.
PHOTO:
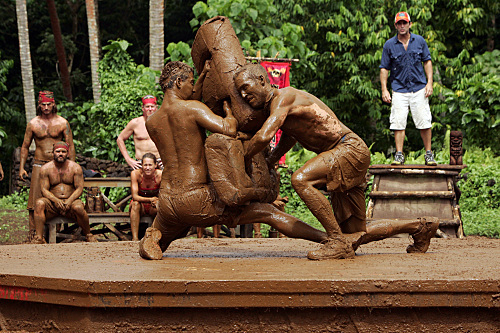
(22, 174)
(227, 109)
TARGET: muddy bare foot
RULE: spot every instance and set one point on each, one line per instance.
(422, 238)
(149, 247)
(333, 248)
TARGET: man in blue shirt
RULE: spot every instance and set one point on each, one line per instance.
(403, 56)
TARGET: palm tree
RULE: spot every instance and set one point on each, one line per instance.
(61, 54)
(156, 35)
(25, 55)
(94, 47)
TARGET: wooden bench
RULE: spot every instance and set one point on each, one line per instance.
(100, 222)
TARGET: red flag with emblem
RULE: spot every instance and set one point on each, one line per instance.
(278, 72)
(279, 75)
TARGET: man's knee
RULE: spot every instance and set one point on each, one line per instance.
(39, 206)
(78, 208)
(299, 181)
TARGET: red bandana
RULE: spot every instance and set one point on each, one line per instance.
(148, 100)
(45, 97)
(61, 144)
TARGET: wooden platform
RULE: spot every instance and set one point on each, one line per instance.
(457, 276)
(412, 191)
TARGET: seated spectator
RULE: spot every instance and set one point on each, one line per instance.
(145, 186)
(61, 182)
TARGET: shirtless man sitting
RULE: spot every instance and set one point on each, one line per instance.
(145, 186)
(137, 128)
(46, 129)
(61, 181)
(187, 198)
(340, 166)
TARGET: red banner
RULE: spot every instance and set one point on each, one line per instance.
(278, 72)
(279, 75)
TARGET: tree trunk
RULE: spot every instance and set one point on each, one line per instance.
(156, 35)
(61, 54)
(94, 47)
(25, 55)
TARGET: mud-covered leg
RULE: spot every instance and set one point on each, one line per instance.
(305, 182)
(421, 229)
(283, 222)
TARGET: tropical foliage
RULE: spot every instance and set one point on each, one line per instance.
(123, 83)
(339, 45)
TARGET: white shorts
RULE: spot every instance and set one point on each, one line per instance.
(418, 105)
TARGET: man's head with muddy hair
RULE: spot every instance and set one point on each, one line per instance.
(252, 71)
(172, 71)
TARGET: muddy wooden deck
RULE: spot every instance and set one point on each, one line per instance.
(252, 273)
(235, 285)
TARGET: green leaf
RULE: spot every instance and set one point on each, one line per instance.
(236, 9)
(199, 8)
(252, 13)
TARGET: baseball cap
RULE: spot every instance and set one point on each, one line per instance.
(402, 16)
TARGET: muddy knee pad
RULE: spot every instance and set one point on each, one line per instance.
(233, 185)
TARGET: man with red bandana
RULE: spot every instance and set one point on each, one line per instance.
(142, 142)
(61, 182)
(46, 129)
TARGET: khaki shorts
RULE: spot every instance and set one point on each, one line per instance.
(417, 103)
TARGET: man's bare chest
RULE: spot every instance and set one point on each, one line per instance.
(43, 130)
(61, 177)
(141, 134)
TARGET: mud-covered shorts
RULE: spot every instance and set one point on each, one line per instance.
(348, 162)
(52, 211)
(195, 208)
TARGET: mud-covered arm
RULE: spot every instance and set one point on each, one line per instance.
(215, 124)
(28, 137)
(68, 137)
(285, 144)
(198, 87)
(78, 183)
(45, 188)
(263, 137)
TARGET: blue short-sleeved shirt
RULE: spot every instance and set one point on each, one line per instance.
(407, 71)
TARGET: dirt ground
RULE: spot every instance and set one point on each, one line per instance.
(13, 226)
